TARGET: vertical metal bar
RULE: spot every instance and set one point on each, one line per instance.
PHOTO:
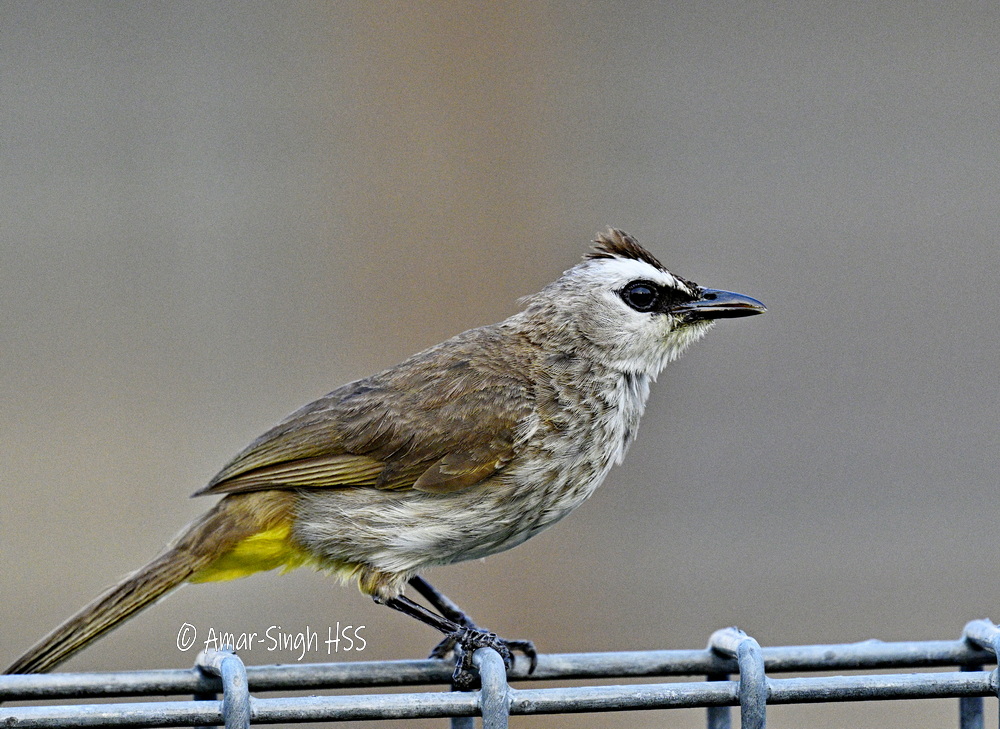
(494, 701)
(235, 692)
(982, 634)
(718, 717)
(734, 643)
(206, 696)
(753, 685)
(970, 708)
(463, 722)
(201, 662)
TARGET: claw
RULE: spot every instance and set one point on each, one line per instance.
(466, 640)
(446, 646)
(528, 649)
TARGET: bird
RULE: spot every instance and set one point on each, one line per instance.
(461, 451)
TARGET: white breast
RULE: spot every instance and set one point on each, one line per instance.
(569, 453)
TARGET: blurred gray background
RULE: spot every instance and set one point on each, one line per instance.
(213, 213)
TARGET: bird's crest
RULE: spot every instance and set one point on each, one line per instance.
(619, 244)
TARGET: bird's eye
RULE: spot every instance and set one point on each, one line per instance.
(641, 295)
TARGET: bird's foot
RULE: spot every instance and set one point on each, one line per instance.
(464, 641)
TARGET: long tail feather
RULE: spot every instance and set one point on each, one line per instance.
(122, 601)
(204, 541)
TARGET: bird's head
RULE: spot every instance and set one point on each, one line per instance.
(622, 307)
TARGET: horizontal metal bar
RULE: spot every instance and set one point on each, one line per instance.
(870, 654)
(581, 699)
(143, 714)
(170, 682)
(358, 708)
(630, 664)
(163, 682)
(813, 689)
(265, 711)
(726, 693)
(875, 654)
(522, 701)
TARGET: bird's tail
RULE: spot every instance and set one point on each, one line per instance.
(194, 555)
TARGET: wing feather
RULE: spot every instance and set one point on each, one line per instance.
(399, 429)
(324, 471)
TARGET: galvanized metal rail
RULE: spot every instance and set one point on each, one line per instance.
(729, 652)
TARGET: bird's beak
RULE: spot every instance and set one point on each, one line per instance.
(715, 304)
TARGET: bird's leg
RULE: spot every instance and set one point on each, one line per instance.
(448, 609)
(441, 602)
(461, 636)
(444, 605)
(415, 610)
(466, 640)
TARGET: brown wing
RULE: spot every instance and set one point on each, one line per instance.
(439, 422)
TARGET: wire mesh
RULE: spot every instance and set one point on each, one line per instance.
(730, 652)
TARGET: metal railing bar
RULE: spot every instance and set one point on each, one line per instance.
(718, 717)
(140, 714)
(874, 654)
(495, 693)
(970, 709)
(887, 687)
(522, 701)
(262, 711)
(984, 634)
(235, 692)
(623, 664)
(359, 708)
(733, 642)
(618, 698)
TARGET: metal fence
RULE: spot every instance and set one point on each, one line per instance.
(730, 652)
